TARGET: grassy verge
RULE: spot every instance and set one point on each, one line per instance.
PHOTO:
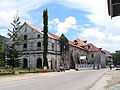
(8, 75)
(8, 70)
(12, 71)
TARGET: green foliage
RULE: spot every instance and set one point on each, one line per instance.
(45, 37)
(2, 39)
(4, 70)
(2, 50)
(37, 69)
(116, 57)
(12, 59)
(12, 54)
(16, 24)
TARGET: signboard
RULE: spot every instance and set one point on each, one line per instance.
(114, 8)
(82, 57)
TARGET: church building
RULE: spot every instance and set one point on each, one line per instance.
(61, 51)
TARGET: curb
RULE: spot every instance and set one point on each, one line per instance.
(88, 88)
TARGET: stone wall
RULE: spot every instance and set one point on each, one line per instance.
(97, 58)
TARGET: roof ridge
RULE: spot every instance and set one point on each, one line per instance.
(40, 30)
(80, 44)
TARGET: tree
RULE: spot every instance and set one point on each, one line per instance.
(2, 51)
(116, 57)
(12, 59)
(12, 54)
(16, 25)
(45, 37)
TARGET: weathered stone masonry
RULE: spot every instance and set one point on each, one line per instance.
(61, 51)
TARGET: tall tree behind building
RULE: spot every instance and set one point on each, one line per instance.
(116, 57)
(45, 37)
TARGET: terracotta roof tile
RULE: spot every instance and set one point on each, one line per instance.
(40, 30)
(80, 42)
(53, 35)
(73, 44)
(107, 53)
(36, 28)
(93, 47)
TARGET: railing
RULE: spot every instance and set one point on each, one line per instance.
(87, 66)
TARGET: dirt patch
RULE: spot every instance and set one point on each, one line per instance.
(100, 84)
(109, 81)
(114, 82)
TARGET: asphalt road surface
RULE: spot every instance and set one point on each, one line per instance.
(75, 80)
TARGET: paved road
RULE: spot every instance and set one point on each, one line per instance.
(80, 80)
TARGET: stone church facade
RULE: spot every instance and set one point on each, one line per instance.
(61, 51)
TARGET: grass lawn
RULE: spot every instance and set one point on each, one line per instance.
(8, 70)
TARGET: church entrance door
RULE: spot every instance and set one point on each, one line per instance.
(25, 63)
(39, 63)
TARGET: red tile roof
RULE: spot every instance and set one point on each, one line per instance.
(73, 44)
(93, 47)
(80, 42)
(40, 30)
(107, 53)
(53, 35)
(36, 28)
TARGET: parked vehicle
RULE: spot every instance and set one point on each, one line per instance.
(118, 67)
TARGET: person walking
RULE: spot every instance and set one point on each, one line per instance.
(110, 67)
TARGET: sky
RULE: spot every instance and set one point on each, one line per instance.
(83, 19)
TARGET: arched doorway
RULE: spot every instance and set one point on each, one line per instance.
(25, 63)
(39, 63)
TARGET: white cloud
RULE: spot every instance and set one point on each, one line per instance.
(8, 10)
(104, 28)
(114, 38)
(3, 32)
(107, 30)
(92, 33)
(63, 27)
(97, 9)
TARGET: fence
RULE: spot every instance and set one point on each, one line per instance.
(87, 66)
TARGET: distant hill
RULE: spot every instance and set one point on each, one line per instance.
(3, 39)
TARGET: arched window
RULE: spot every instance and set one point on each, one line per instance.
(25, 37)
(25, 45)
(39, 63)
(39, 44)
(38, 36)
(25, 63)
